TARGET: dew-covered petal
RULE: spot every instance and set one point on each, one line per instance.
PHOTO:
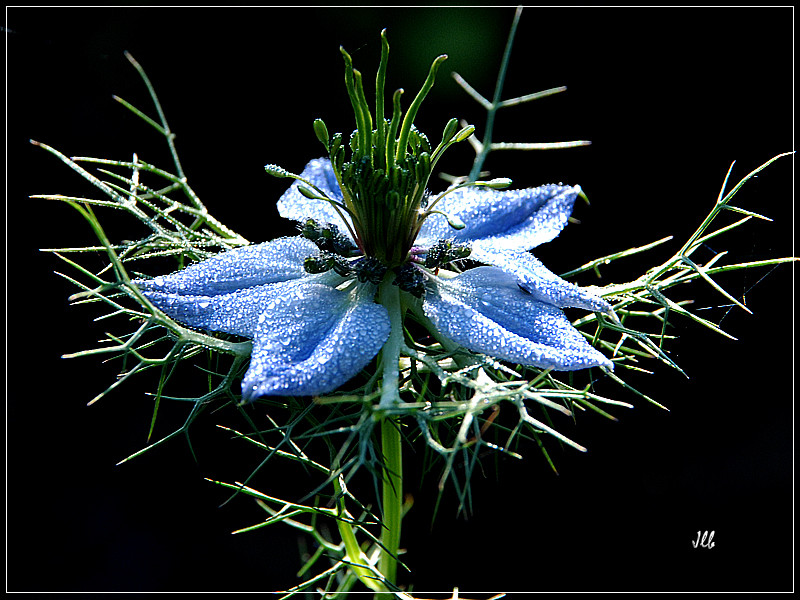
(295, 206)
(313, 340)
(538, 280)
(308, 338)
(236, 312)
(508, 219)
(485, 311)
(277, 260)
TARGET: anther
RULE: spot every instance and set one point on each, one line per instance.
(326, 262)
(327, 237)
(370, 269)
(409, 279)
(445, 251)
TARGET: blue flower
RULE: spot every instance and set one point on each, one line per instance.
(313, 331)
(367, 223)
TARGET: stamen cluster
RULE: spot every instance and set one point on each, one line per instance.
(336, 249)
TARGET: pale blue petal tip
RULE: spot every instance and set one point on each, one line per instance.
(277, 260)
(236, 312)
(485, 311)
(514, 220)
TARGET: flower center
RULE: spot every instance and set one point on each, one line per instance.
(384, 175)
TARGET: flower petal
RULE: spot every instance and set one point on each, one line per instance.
(313, 340)
(485, 311)
(295, 206)
(236, 312)
(308, 338)
(273, 261)
(509, 219)
(538, 280)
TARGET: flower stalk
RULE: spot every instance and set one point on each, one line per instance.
(390, 354)
(391, 441)
(392, 448)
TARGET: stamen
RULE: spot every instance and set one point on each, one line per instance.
(445, 251)
(328, 238)
(370, 270)
(410, 279)
(277, 171)
(325, 262)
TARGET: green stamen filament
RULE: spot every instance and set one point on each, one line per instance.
(412, 110)
(384, 180)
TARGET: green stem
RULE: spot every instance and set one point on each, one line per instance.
(355, 555)
(164, 128)
(391, 444)
(498, 91)
(390, 354)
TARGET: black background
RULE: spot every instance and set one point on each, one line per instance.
(669, 97)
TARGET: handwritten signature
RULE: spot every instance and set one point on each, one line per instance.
(705, 539)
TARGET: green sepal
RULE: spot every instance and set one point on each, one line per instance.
(322, 132)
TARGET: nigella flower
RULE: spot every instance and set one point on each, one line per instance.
(374, 244)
